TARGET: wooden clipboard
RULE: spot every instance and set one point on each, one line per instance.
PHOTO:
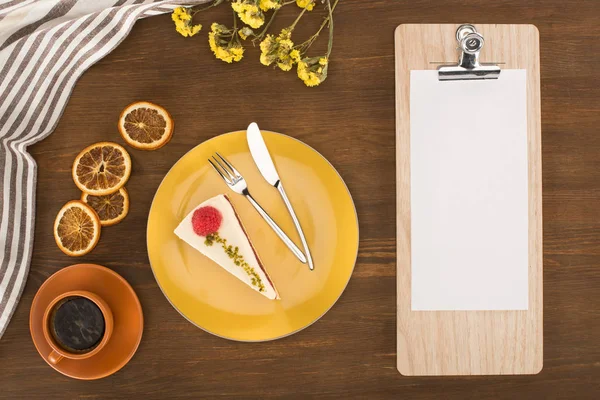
(468, 342)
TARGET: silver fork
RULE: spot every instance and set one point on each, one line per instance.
(237, 183)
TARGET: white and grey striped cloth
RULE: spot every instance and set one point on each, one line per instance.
(45, 46)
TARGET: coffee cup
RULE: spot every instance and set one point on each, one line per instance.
(81, 312)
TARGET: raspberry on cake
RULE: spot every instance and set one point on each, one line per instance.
(214, 229)
(206, 220)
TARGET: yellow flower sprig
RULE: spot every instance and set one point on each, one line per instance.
(327, 22)
(306, 4)
(270, 5)
(279, 49)
(250, 12)
(224, 43)
(267, 5)
(182, 17)
(313, 70)
(245, 33)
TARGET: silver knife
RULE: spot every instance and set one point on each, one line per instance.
(265, 165)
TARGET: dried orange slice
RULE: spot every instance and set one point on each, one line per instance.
(76, 228)
(111, 208)
(145, 126)
(102, 168)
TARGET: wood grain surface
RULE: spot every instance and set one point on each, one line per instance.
(351, 351)
(468, 342)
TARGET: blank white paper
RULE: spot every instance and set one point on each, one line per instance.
(469, 197)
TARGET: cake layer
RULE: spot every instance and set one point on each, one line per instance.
(229, 246)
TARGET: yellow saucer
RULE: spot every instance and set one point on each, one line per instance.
(216, 301)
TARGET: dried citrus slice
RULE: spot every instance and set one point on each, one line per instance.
(111, 208)
(145, 126)
(76, 228)
(102, 168)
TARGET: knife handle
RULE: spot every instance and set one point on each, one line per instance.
(297, 223)
(288, 242)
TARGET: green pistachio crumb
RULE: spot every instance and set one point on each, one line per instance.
(233, 253)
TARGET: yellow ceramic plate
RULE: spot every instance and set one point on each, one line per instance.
(216, 301)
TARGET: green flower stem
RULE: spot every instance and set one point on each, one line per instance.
(264, 31)
(261, 35)
(297, 19)
(235, 30)
(303, 47)
(330, 44)
(213, 4)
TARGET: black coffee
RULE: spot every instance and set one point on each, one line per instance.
(77, 324)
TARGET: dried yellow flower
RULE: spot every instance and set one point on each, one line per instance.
(280, 50)
(286, 65)
(223, 49)
(313, 71)
(308, 4)
(295, 55)
(276, 49)
(245, 32)
(182, 18)
(249, 12)
(267, 5)
(268, 51)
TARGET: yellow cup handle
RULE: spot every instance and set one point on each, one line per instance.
(54, 357)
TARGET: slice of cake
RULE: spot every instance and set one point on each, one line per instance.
(215, 230)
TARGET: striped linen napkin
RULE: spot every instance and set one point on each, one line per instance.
(45, 46)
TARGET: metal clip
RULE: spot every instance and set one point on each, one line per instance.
(470, 43)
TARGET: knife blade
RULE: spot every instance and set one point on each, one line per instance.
(264, 162)
(261, 155)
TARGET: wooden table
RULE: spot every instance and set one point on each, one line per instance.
(350, 352)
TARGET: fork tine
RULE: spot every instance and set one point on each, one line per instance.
(231, 167)
(226, 179)
(231, 176)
